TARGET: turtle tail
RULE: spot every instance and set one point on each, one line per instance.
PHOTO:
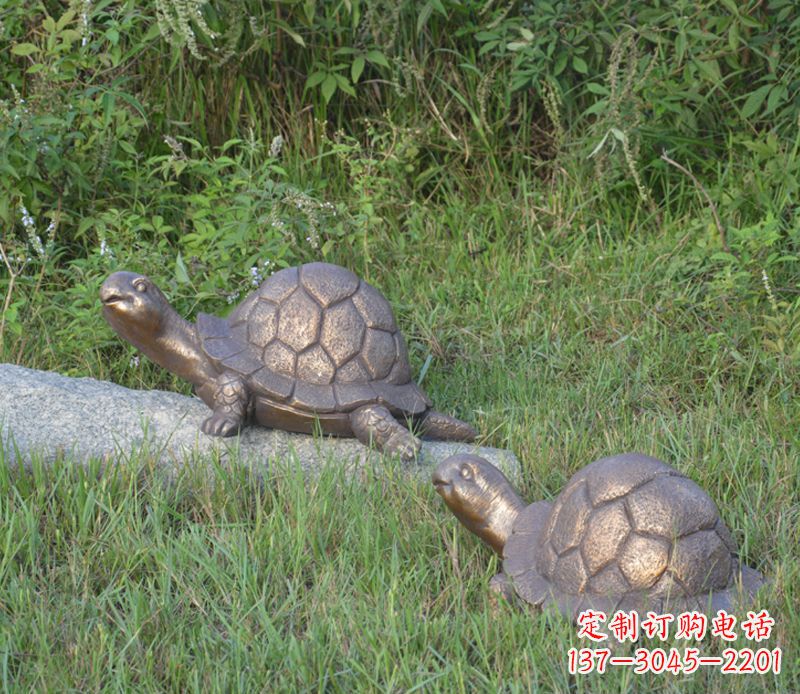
(437, 425)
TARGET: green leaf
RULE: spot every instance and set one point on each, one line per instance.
(709, 68)
(733, 36)
(85, 224)
(291, 32)
(776, 96)
(357, 68)
(424, 14)
(181, 275)
(755, 100)
(24, 49)
(599, 146)
(597, 107)
(519, 81)
(49, 25)
(560, 64)
(315, 78)
(107, 101)
(65, 19)
(579, 65)
(329, 85)
(310, 9)
(377, 58)
(152, 33)
(344, 85)
(598, 89)
(680, 46)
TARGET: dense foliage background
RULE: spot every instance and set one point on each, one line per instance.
(585, 214)
(209, 142)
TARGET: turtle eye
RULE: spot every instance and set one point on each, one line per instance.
(466, 472)
(140, 285)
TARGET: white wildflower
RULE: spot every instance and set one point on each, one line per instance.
(30, 231)
(256, 278)
(86, 8)
(105, 250)
(275, 146)
(176, 147)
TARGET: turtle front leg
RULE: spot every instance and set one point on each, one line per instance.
(374, 424)
(500, 590)
(230, 396)
(501, 587)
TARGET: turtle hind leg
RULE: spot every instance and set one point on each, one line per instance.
(374, 424)
(437, 425)
(230, 397)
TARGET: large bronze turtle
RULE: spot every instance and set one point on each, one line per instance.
(627, 532)
(313, 346)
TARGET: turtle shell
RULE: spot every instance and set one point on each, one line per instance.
(627, 532)
(316, 338)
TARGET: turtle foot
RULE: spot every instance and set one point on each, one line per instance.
(230, 406)
(403, 444)
(221, 424)
(375, 425)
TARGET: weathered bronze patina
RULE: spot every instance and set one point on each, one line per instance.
(627, 532)
(313, 346)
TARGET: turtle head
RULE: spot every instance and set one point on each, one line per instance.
(480, 496)
(134, 307)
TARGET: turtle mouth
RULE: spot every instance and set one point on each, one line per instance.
(442, 485)
(110, 297)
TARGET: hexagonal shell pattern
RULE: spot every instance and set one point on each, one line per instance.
(279, 285)
(374, 308)
(671, 506)
(315, 366)
(604, 536)
(262, 324)
(299, 320)
(378, 353)
(643, 560)
(342, 332)
(328, 284)
(701, 561)
(280, 359)
(571, 512)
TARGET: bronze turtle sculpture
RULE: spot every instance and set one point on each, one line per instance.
(313, 346)
(627, 532)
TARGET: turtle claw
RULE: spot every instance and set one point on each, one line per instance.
(220, 424)
(404, 445)
(375, 425)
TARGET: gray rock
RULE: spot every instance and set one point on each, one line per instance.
(47, 415)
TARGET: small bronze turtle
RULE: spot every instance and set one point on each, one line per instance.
(628, 532)
(313, 344)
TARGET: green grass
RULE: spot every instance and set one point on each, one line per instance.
(563, 345)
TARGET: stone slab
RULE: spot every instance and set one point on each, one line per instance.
(46, 415)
